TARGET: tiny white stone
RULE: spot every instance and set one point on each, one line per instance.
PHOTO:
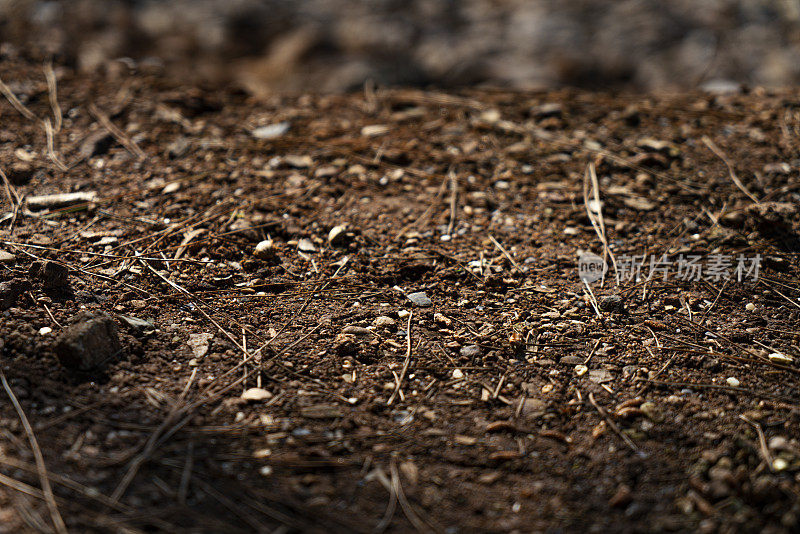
(256, 394)
(265, 249)
(779, 464)
(733, 382)
(458, 374)
(265, 471)
(581, 369)
(384, 321)
(777, 357)
(750, 306)
(306, 245)
(45, 330)
(403, 314)
(171, 188)
(271, 131)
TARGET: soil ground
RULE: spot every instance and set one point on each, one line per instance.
(510, 404)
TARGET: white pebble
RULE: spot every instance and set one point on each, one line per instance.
(265, 249)
(256, 394)
(750, 306)
(45, 330)
(779, 464)
(581, 369)
(777, 357)
(265, 471)
(458, 374)
(733, 382)
(384, 321)
(403, 314)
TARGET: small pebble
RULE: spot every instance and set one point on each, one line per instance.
(442, 319)
(777, 357)
(780, 443)
(779, 464)
(733, 382)
(265, 250)
(53, 275)
(45, 330)
(384, 322)
(420, 299)
(581, 369)
(306, 245)
(271, 131)
(256, 395)
(337, 236)
(356, 331)
(403, 314)
(265, 471)
(470, 351)
(90, 342)
(750, 306)
(458, 374)
(611, 303)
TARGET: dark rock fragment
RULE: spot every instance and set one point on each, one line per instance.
(88, 343)
(53, 275)
(10, 291)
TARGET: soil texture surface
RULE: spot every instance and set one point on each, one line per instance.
(363, 312)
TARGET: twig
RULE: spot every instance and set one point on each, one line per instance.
(186, 474)
(779, 293)
(51, 151)
(155, 439)
(11, 191)
(21, 486)
(200, 306)
(50, 75)
(762, 441)
(591, 354)
(592, 298)
(46, 309)
(65, 482)
(118, 134)
(613, 426)
(705, 313)
(721, 155)
(597, 220)
(505, 253)
(14, 101)
(411, 514)
(44, 480)
(406, 363)
(453, 202)
(391, 507)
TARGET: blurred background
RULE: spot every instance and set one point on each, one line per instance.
(337, 45)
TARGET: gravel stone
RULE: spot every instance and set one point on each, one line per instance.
(88, 343)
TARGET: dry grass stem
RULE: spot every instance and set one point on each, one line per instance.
(44, 480)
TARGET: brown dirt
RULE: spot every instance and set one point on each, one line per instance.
(502, 438)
